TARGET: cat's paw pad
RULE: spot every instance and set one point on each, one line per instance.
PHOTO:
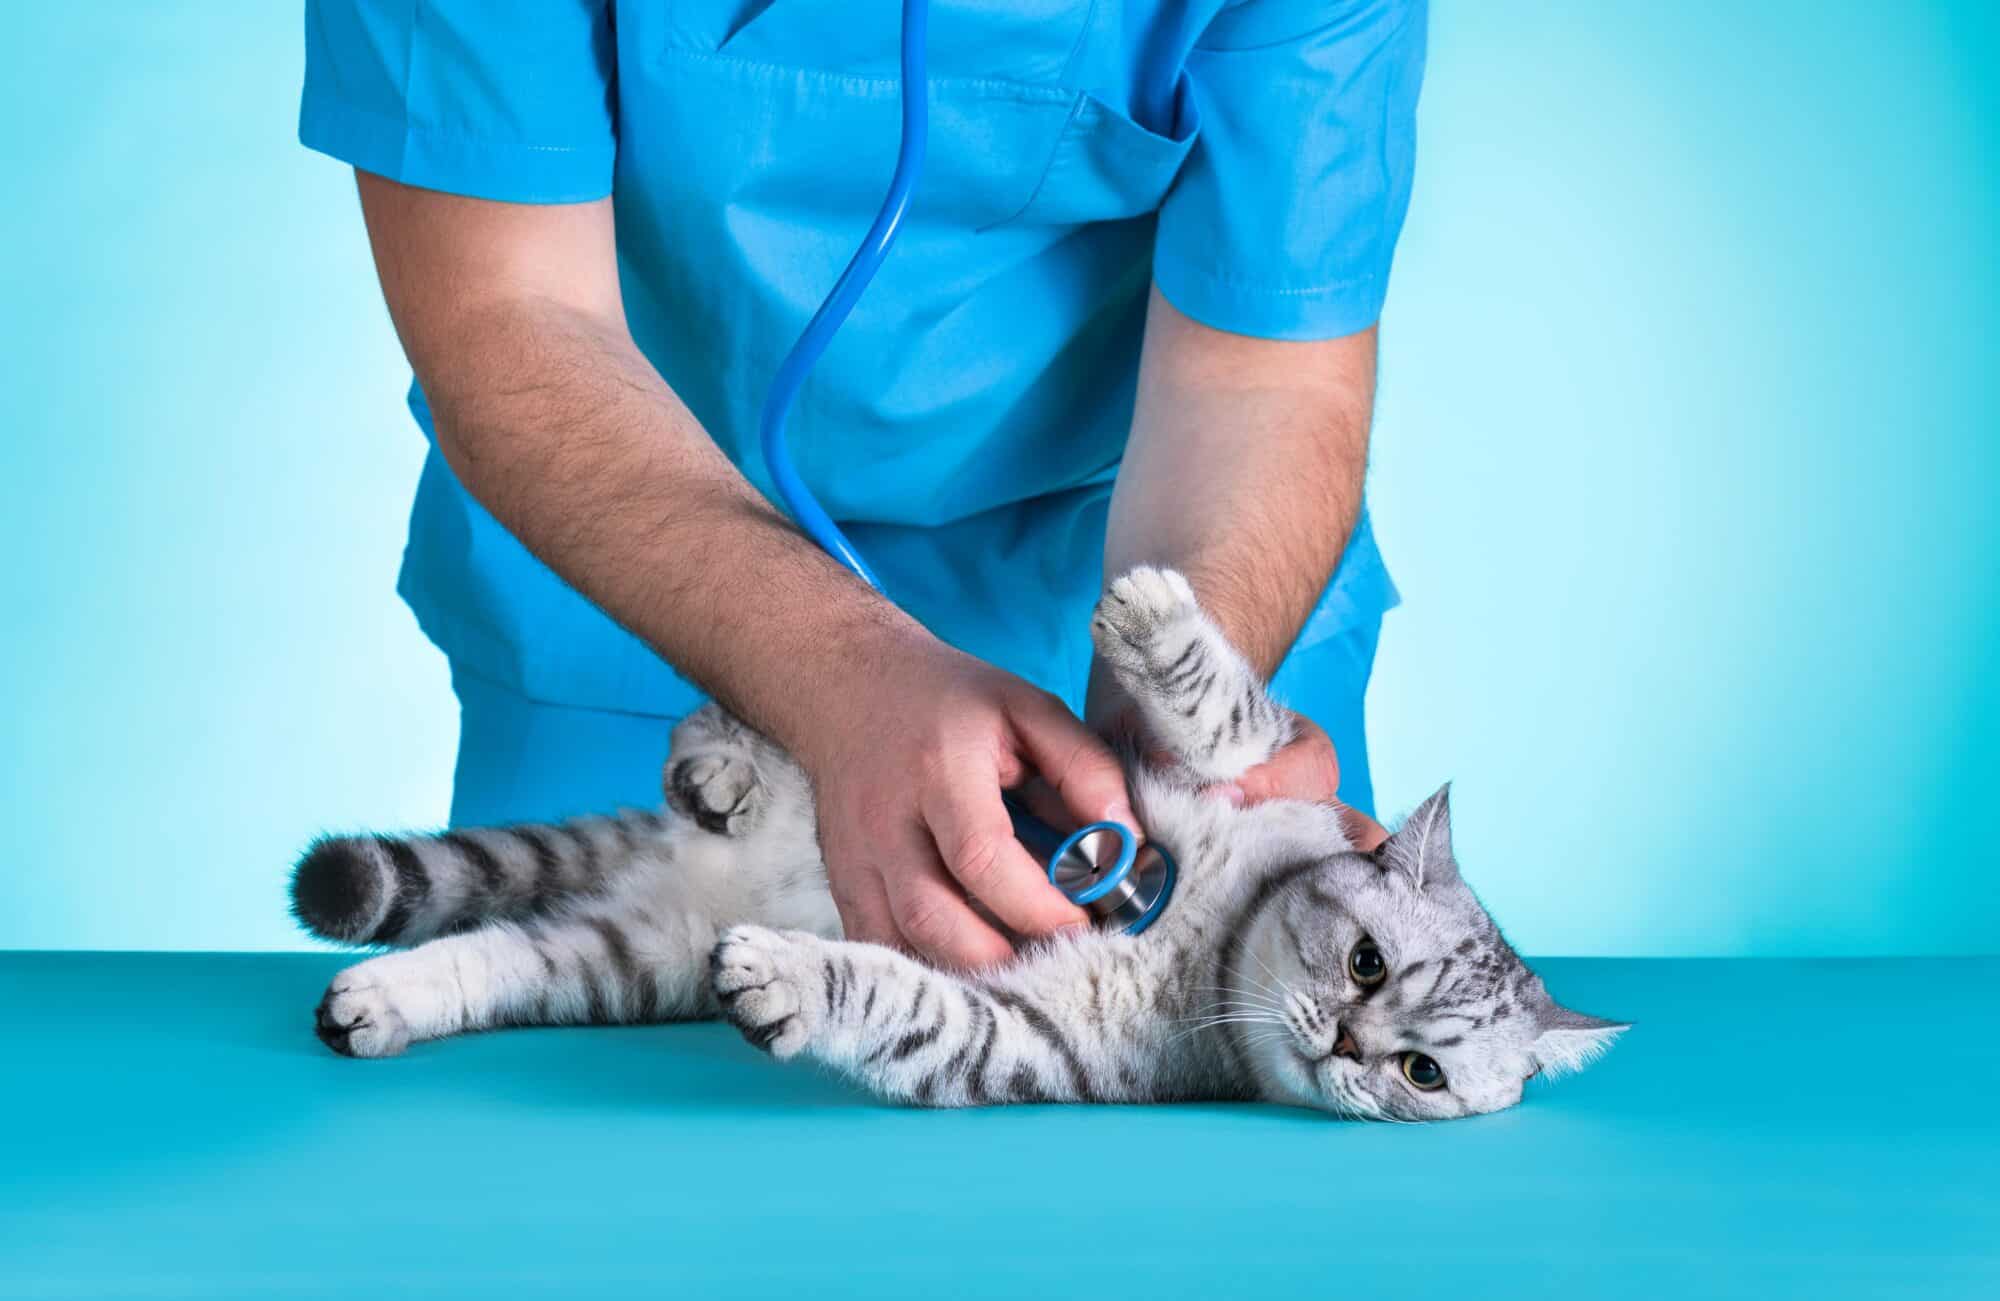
(356, 1019)
(718, 789)
(769, 986)
(1137, 613)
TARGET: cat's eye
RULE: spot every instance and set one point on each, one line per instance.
(1366, 965)
(1423, 1072)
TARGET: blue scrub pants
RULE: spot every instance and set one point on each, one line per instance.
(521, 760)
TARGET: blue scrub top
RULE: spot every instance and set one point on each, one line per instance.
(1250, 157)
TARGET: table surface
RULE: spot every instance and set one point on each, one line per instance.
(170, 1127)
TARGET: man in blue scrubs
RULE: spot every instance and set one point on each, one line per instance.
(1130, 320)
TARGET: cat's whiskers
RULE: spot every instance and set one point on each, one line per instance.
(1233, 1006)
(1232, 1018)
(1348, 1100)
(1264, 997)
(1214, 1022)
(1275, 1001)
(1282, 991)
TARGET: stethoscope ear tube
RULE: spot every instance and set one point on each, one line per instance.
(1121, 895)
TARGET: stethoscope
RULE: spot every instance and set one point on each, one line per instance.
(1102, 867)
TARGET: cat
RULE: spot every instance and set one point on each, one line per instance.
(1288, 967)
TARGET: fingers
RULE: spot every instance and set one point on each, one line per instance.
(1306, 769)
(976, 839)
(1069, 757)
(934, 920)
(1364, 832)
(863, 904)
(899, 895)
(1041, 800)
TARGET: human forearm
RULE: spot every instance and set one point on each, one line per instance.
(1244, 471)
(562, 429)
(558, 425)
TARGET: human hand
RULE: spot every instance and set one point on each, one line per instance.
(1306, 768)
(908, 762)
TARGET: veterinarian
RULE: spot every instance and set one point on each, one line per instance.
(1131, 319)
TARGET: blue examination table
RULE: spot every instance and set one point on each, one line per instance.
(171, 1128)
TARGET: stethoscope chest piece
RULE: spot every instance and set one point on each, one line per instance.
(1104, 870)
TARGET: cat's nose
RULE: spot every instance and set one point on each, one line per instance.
(1344, 1045)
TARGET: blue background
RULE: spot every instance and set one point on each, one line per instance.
(1685, 464)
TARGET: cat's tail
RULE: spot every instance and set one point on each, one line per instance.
(406, 889)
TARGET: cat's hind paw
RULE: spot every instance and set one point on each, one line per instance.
(356, 1019)
(719, 790)
(771, 986)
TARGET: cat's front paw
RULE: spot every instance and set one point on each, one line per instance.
(356, 1019)
(1139, 616)
(771, 985)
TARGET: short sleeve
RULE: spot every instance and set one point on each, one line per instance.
(1284, 219)
(498, 99)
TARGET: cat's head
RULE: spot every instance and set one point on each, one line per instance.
(1391, 993)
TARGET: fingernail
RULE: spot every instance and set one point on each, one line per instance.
(1227, 792)
(1121, 814)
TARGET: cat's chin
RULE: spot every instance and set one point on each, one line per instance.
(1288, 1074)
(1285, 1075)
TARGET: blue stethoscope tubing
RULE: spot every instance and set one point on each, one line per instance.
(861, 269)
(812, 517)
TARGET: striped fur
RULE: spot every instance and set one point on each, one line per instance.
(404, 889)
(1197, 696)
(1244, 989)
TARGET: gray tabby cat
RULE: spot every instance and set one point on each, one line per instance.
(1288, 966)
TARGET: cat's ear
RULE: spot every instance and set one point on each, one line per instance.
(1566, 1041)
(1420, 850)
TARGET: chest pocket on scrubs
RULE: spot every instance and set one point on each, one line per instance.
(1010, 143)
(1105, 167)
